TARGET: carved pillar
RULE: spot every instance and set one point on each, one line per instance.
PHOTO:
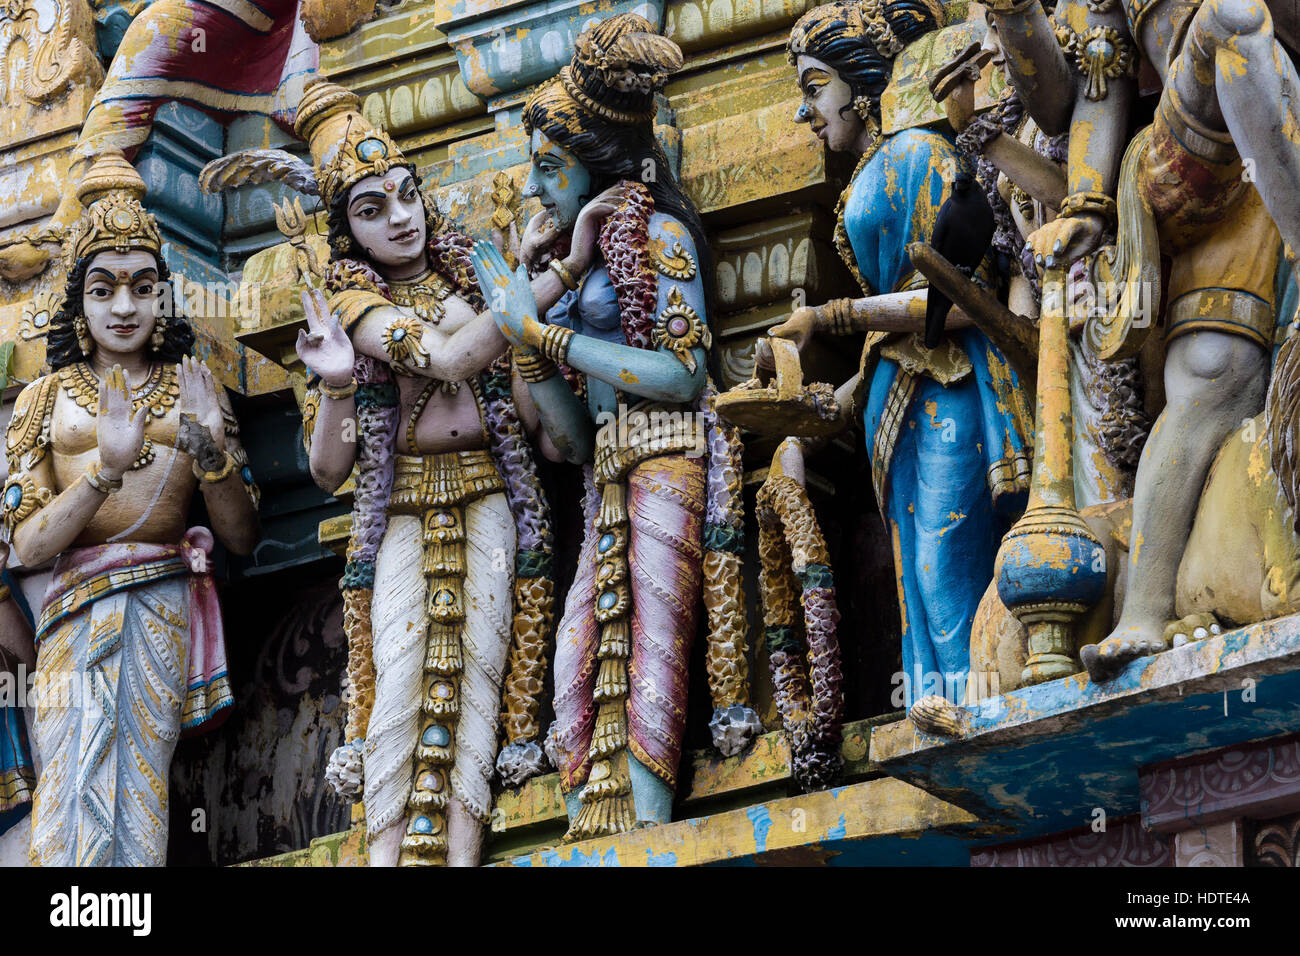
(1051, 568)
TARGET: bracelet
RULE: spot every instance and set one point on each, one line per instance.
(212, 477)
(5, 593)
(101, 484)
(1098, 203)
(838, 316)
(555, 343)
(338, 392)
(533, 366)
(565, 275)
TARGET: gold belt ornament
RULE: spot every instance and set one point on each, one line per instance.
(442, 480)
(437, 488)
(646, 431)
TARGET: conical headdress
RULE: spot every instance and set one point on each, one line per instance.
(345, 146)
(115, 217)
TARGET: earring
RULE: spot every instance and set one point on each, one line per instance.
(343, 244)
(862, 106)
(158, 334)
(82, 330)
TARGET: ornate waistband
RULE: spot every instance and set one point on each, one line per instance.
(443, 480)
(646, 431)
(60, 605)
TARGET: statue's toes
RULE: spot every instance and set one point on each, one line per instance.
(1097, 660)
(1193, 627)
(938, 717)
(1103, 661)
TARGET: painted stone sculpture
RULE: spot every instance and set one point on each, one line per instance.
(1180, 191)
(105, 454)
(1023, 172)
(17, 658)
(229, 56)
(947, 428)
(796, 574)
(450, 553)
(662, 506)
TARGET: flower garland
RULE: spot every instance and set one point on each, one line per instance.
(625, 246)
(791, 547)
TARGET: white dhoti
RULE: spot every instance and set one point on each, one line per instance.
(400, 623)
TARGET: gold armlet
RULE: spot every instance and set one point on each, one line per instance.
(533, 366)
(5, 593)
(97, 481)
(1101, 54)
(555, 343)
(556, 266)
(1098, 203)
(679, 329)
(212, 477)
(401, 339)
(337, 392)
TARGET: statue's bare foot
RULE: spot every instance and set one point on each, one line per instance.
(21, 260)
(26, 255)
(938, 717)
(1105, 660)
(1193, 627)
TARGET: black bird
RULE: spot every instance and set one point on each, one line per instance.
(962, 234)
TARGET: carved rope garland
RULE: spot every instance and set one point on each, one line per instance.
(792, 548)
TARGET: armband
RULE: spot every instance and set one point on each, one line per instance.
(1101, 54)
(679, 329)
(401, 340)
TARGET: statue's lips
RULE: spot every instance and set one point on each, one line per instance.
(123, 329)
(403, 238)
(818, 128)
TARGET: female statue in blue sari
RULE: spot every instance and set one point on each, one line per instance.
(948, 428)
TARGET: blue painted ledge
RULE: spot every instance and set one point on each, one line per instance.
(1043, 759)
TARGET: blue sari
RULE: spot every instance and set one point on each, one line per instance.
(17, 775)
(949, 430)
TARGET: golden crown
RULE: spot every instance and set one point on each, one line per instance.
(345, 146)
(114, 217)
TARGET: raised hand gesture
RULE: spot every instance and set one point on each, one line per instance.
(323, 346)
(199, 399)
(119, 428)
(509, 294)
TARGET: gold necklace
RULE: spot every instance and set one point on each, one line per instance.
(842, 245)
(157, 394)
(423, 296)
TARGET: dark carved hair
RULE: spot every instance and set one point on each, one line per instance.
(62, 349)
(612, 152)
(828, 33)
